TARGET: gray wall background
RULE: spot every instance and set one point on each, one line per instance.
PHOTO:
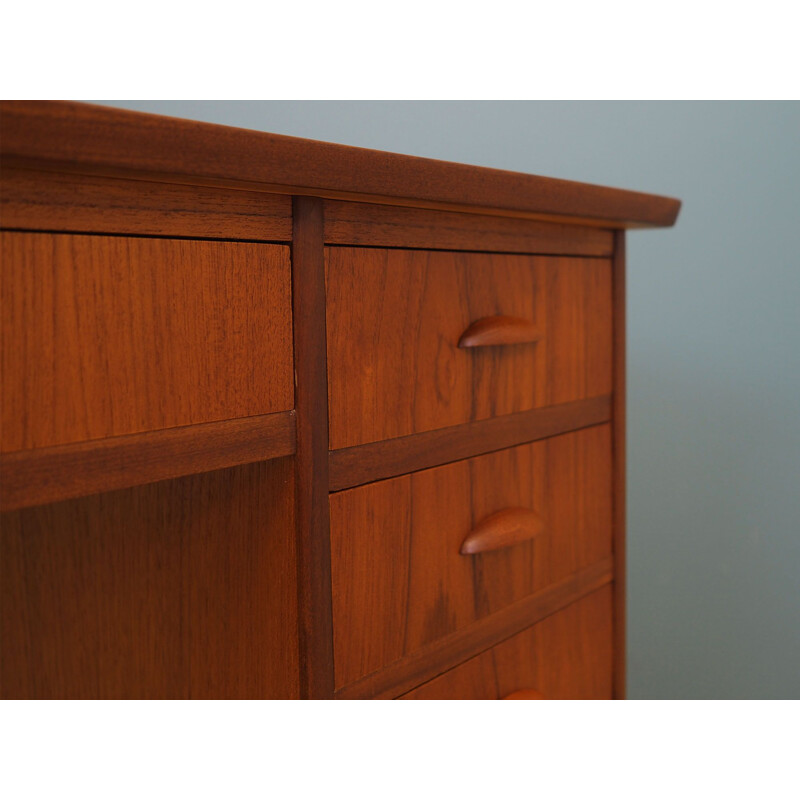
(713, 351)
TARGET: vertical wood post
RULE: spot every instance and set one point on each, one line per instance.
(619, 473)
(315, 621)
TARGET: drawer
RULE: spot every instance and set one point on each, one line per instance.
(530, 516)
(395, 319)
(567, 656)
(111, 335)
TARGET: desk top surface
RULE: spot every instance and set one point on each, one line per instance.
(98, 140)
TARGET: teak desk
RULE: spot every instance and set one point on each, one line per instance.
(286, 419)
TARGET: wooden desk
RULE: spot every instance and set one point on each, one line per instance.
(285, 419)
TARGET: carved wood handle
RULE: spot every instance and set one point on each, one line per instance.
(502, 529)
(525, 694)
(489, 331)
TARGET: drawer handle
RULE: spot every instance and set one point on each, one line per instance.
(525, 694)
(502, 529)
(489, 331)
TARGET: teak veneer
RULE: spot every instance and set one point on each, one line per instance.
(287, 419)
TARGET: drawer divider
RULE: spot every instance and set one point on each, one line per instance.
(404, 674)
(355, 466)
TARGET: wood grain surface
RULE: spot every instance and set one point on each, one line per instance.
(568, 656)
(394, 322)
(431, 660)
(369, 225)
(58, 201)
(620, 477)
(97, 140)
(106, 336)
(180, 589)
(48, 474)
(399, 579)
(311, 464)
(353, 466)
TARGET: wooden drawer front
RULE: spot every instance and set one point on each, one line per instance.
(399, 579)
(103, 336)
(567, 656)
(395, 318)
